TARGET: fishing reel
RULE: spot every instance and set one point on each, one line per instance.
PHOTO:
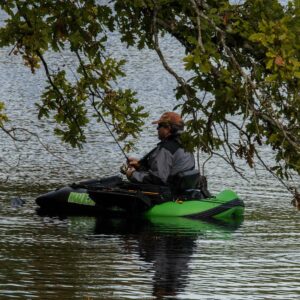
(124, 168)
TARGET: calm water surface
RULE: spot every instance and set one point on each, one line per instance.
(88, 258)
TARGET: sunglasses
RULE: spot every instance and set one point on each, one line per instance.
(164, 125)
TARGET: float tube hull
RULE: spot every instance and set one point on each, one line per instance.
(86, 199)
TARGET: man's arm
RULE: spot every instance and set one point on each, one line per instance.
(159, 171)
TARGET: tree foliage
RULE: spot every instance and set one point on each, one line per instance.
(35, 27)
(243, 60)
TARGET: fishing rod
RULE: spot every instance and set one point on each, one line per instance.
(109, 130)
(96, 109)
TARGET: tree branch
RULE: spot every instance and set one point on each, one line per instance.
(200, 43)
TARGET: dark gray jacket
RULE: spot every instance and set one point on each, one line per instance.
(165, 160)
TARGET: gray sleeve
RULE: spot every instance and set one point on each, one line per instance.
(160, 169)
(138, 176)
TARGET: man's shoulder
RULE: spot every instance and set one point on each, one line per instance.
(172, 145)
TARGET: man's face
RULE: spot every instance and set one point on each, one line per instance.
(163, 131)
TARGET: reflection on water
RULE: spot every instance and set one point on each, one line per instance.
(83, 257)
(166, 245)
(76, 257)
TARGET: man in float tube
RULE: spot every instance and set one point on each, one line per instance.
(167, 159)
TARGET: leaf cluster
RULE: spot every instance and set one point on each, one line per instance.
(3, 116)
(80, 27)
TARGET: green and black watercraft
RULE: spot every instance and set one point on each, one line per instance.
(114, 196)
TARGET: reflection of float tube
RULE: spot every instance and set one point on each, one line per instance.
(178, 226)
(185, 226)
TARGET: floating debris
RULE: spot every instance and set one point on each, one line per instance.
(17, 202)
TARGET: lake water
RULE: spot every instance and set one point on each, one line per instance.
(89, 258)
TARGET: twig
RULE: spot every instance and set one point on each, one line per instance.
(12, 131)
(200, 43)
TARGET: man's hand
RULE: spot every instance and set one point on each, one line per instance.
(133, 163)
(129, 172)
